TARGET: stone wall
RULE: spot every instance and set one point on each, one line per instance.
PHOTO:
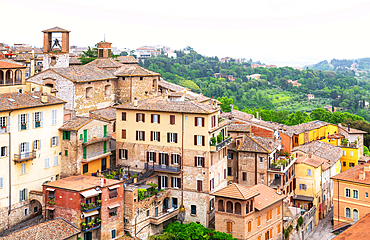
(247, 164)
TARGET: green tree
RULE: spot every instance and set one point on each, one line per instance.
(225, 103)
(90, 55)
(124, 53)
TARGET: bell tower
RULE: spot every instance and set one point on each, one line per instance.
(56, 48)
(104, 49)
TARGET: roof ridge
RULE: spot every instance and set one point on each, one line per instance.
(259, 144)
(237, 186)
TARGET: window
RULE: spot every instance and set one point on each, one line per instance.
(199, 161)
(23, 121)
(4, 151)
(113, 193)
(54, 141)
(212, 204)
(249, 226)
(54, 117)
(3, 122)
(344, 164)
(25, 211)
(46, 162)
(123, 116)
(348, 213)
(355, 194)
(37, 119)
(163, 158)
(176, 159)
(244, 176)
(140, 117)
(155, 136)
(140, 135)
(172, 119)
(199, 122)
(296, 140)
(1, 182)
(123, 134)
(55, 160)
(66, 135)
(259, 221)
(163, 182)
(155, 118)
(344, 153)
(230, 155)
(348, 193)
(23, 195)
(213, 121)
(302, 186)
(366, 195)
(199, 140)
(23, 168)
(107, 90)
(212, 184)
(66, 153)
(147, 213)
(89, 92)
(37, 144)
(308, 172)
(151, 156)
(279, 229)
(225, 173)
(186, 118)
(229, 171)
(199, 185)
(351, 164)
(85, 168)
(176, 182)
(261, 159)
(193, 210)
(113, 233)
(113, 212)
(229, 227)
(123, 154)
(172, 137)
(351, 153)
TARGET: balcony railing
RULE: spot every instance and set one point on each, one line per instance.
(96, 138)
(221, 144)
(24, 156)
(164, 216)
(162, 168)
(92, 154)
(282, 168)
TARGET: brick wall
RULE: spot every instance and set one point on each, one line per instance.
(261, 132)
(247, 164)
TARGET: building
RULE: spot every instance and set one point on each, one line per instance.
(351, 192)
(177, 139)
(30, 151)
(357, 231)
(310, 96)
(85, 145)
(294, 83)
(56, 48)
(11, 74)
(93, 204)
(54, 229)
(254, 76)
(253, 213)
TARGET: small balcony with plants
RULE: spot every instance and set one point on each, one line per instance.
(51, 200)
(219, 142)
(346, 143)
(283, 163)
(90, 224)
(91, 204)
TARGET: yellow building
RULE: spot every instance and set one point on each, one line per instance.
(30, 151)
(350, 156)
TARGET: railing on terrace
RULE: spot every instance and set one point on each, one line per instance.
(222, 144)
(24, 156)
(97, 137)
(92, 154)
(162, 168)
(282, 168)
(309, 214)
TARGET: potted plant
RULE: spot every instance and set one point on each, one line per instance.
(3, 126)
(98, 220)
(98, 203)
(213, 141)
(83, 224)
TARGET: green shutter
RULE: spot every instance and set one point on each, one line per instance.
(84, 152)
(105, 130)
(85, 135)
(81, 136)
(105, 147)
(66, 153)
(69, 135)
(64, 134)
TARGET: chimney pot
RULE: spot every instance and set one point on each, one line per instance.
(135, 102)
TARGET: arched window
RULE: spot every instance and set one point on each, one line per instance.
(9, 77)
(221, 206)
(249, 226)
(348, 213)
(247, 208)
(18, 76)
(229, 207)
(251, 208)
(229, 227)
(238, 208)
(355, 215)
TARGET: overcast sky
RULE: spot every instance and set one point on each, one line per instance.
(292, 32)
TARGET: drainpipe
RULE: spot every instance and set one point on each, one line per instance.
(10, 168)
(130, 88)
(182, 160)
(255, 168)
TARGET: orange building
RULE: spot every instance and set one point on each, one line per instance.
(351, 195)
(253, 213)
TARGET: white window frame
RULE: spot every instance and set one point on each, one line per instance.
(344, 153)
(162, 158)
(56, 161)
(355, 194)
(155, 118)
(156, 136)
(123, 153)
(163, 182)
(176, 158)
(199, 122)
(186, 118)
(47, 163)
(151, 156)
(199, 140)
(140, 117)
(37, 144)
(23, 118)
(54, 117)
(199, 160)
(23, 169)
(351, 153)
(54, 141)
(349, 193)
(23, 147)
(140, 136)
(174, 184)
(3, 122)
(172, 138)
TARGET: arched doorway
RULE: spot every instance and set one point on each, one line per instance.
(355, 215)
(9, 77)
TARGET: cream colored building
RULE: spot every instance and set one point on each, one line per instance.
(29, 151)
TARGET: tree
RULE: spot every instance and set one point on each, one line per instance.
(124, 53)
(90, 55)
(334, 94)
(225, 103)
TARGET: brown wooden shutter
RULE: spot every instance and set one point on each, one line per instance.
(168, 137)
(151, 118)
(202, 122)
(175, 137)
(155, 157)
(195, 161)
(195, 140)
(179, 182)
(203, 160)
(137, 117)
(159, 182)
(123, 116)
(159, 118)
(172, 182)
(159, 136)
(167, 162)
(200, 185)
(224, 173)
(180, 160)
(124, 134)
(120, 153)
(172, 119)
(172, 158)
(147, 156)
(143, 117)
(137, 135)
(195, 121)
(143, 135)
(203, 141)
(151, 135)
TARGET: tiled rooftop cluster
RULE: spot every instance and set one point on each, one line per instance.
(76, 123)
(255, 144)
(108, 113)
(323, 150)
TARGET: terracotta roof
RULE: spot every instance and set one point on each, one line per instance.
(235, 114)
(1, 56)
(161, 105)
(239, 127)
(76, 123)
(301, 128)
(108, 113)
(4, 63)
(254, 144)
(25, 100)
(236, 191)
(177, 94)
(80, 182)
(170, 86)
(352, 174)
(310, 161)
(358, 231)
(55, 229)
(321, 149)
(127, 59)
(56, 29)
(352, 130)
(74, 61)
(104, 63)
(267, 196)
(134, 70)
(83, 73)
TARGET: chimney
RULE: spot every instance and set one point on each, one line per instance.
(309, 154)
(44, 98)
(101, 182)
(135, 102)
(361, 176)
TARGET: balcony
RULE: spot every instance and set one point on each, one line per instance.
(164, 216)
(96, 139)
(87, 229)
(222, 144)
(281, 168)
(96, 155)
(90, 207)
(18, 158)
(163, 168)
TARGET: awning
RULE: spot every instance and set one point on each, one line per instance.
(50, 189)
(91, 193)
(303, 198)
(113, 187)
(88, 214)
(50, 208)
(114, 206)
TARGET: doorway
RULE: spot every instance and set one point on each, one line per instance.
(103, 164)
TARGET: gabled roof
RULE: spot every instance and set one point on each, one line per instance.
(235, 114)
(239, 127)
(55, 229)
(127, 59)
(5, 63)
(236, 191)
(104, 63)
(310, 161)
(255, 144)
(170, 86)
(76, 123)
(352, 174)
(108, 113)
(13, 101)
(352, 130)
(321, 149)
(134, 70)
(267, 196)
(83, 73)
(80, 183)
(56, 29)
(358, 231)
